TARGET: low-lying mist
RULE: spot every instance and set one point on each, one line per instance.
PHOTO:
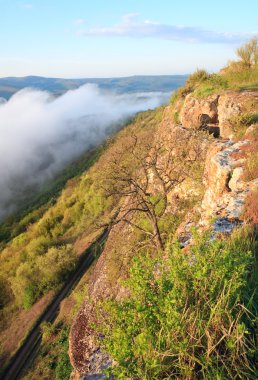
(40, 133)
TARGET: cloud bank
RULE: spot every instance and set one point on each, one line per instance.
(130, 26)
(40, 134)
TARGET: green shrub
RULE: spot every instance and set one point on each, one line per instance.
(47, 329)
(199, 76)
(189, 316)
(213, 83)
(180, 93)
(251, 208)
(52, 361)
(242, 121)
(63, 368)
(30, 295)
(243, 74)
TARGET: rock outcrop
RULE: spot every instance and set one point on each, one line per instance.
(85, 355)
(217, 110)
(231, 105)
(224, 192)
(226, 189)
(197, 113)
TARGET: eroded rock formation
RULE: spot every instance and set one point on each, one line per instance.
(224, 192)
(219, 110)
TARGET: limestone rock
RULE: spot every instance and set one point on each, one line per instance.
(226, 191)
(230, 105)
(235, 183)
(197, 112)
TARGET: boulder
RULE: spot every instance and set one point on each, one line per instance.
(231, 105)
(197, 112)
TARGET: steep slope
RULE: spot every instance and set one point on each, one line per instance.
(48, 241)
(220, 198)
(190, 164)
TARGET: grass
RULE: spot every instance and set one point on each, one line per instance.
(34, 208)
(41, 251)
(54, 350)
(243, 79)
(191, 316)
(53, 360)
(251, 208)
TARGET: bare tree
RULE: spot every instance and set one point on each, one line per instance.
(143, 174)
(248, 53)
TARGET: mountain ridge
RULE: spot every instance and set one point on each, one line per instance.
(136, 83)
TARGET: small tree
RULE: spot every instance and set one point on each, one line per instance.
(248, 53)
(144, 173)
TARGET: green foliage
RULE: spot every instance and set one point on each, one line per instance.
(30, 294)
(251, 166)
(180, 93)
(47, 329)
(53, 360)
(201, 84)
(35, 205)
(243, 74)
(213, 83)
(199, 76)
(40, 256)
(5, 293)
(251, 208)
(242, 121)
(63, 368)
(248, 53)
(189, 316)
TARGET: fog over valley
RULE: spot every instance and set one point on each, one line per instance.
(41, 133)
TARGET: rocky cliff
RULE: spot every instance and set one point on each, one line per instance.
(226, 180)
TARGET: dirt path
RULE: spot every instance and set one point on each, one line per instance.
(29, 349)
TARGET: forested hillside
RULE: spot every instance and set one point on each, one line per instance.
(162, 83)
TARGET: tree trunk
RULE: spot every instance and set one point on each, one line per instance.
(156, 232)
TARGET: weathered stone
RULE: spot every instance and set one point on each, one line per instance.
(235, 183)
(226, 191)
(230, 105)
(223, 201)
(197, 113)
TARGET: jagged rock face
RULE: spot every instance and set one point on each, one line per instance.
(231, 105)
(217, 109)
(197, 112)
(224, 197)
(85, 355)
(226, 189)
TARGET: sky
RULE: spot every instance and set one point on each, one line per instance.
(113, 38)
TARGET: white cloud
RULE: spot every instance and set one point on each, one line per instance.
(131, 26)
(79, 21)
(40, 134)
(26, 5)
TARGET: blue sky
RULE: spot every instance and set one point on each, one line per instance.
(101, 38)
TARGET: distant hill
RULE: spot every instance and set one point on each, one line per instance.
(163, 83)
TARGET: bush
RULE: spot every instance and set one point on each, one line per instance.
(30, 295)
(251, 167)
(47, 329)
(63, 368)
(213, 83)
(251, 208)
(243, 74)
(189, 316)
(199, 76)
(202, 84)
(52, 361)
(242, 121)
